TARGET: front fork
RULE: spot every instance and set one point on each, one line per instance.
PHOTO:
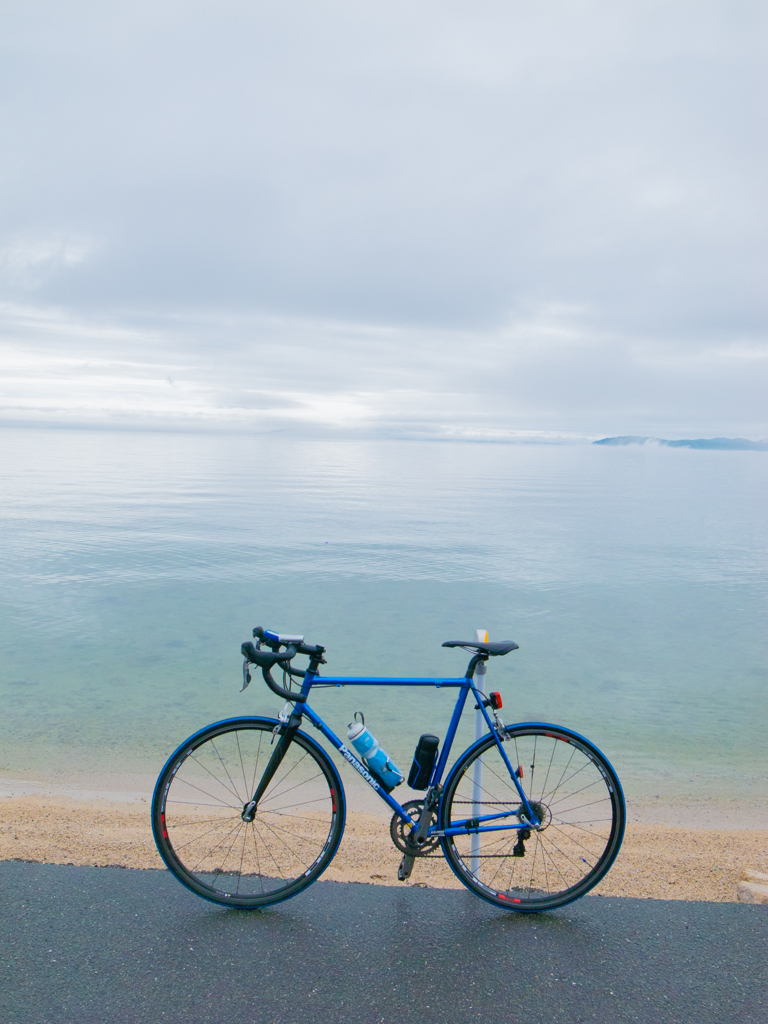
(287, 732)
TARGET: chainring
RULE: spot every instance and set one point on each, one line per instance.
(399, 830)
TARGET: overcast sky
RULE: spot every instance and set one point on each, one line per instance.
(418, 219)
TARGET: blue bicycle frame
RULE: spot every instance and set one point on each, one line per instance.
(465, 685)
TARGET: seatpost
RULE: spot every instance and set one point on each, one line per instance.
(475, 660)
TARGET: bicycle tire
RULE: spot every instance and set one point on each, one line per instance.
(580, 803)
(199, 799)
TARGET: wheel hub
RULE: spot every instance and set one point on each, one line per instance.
(541, 811)
(249, 811)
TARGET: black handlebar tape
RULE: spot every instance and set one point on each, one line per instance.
(266, 661)
(298, 698)
(266, 658)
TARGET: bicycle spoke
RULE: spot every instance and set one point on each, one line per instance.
(298, 817)
(281, 781)
(304, 782)
(186, 782)
(292, 838)
(560, 830)
(562, 775)
(505, 856)
(242, 855)
(571, 840)
(199, 821)
(533, 761)
(197, 839)
(199, 803)
(511, 872)
(231, 848)
(570, 796)
(573, 776)
(533, 866)
(215, 779)
(555, 866)
(510, 785)
(258, 863)
(215, 848)
(549, 769)
(580, 824)
(568, 848)
(242, 766)
(288, 832)
(234, 787)
(269, 851)
(591, 803)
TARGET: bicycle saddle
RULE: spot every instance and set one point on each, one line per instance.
(499, 647)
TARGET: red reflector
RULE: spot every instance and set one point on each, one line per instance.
(519, 771)
(495, 700)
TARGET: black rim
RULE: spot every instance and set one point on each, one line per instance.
(203, 837)
(576, 795)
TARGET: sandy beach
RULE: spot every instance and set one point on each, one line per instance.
(656, 861)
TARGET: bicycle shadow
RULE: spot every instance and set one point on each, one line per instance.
(411, 914)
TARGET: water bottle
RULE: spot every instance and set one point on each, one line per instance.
(367, 746)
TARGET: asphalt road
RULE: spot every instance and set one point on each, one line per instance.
(104, 945)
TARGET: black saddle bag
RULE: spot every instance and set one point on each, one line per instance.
(423, 761)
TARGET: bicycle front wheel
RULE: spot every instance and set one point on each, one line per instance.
(574, 792)
(199, 801)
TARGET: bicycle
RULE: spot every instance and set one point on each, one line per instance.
(529, 818)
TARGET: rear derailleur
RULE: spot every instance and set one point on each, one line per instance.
(518, 850)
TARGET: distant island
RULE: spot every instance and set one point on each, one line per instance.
(736, 444)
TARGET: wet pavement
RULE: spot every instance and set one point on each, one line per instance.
(104, 945)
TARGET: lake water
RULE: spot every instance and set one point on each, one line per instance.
(134, 564)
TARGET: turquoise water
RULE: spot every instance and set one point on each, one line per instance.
(134, 565)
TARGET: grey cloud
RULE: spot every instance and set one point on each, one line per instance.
(550, 374)
(544, 217)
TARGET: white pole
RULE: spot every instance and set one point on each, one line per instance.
(481, 635)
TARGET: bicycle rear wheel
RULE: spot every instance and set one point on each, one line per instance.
(199, 799)
(574, 792)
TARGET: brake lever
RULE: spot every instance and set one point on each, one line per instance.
(246, 675)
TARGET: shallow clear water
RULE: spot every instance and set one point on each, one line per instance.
(134, 565)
